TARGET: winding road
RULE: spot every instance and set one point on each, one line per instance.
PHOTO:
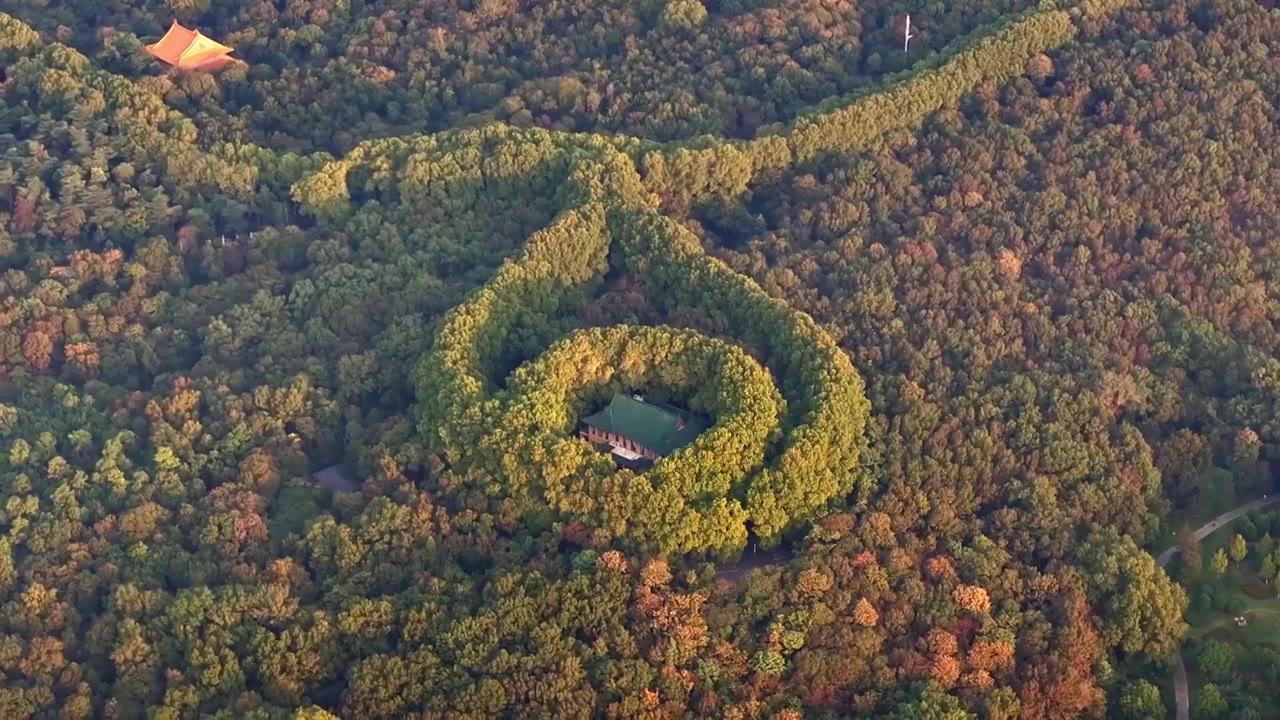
(1180, 690)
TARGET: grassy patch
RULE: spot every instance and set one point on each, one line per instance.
(1258, 589)
(1262, 627)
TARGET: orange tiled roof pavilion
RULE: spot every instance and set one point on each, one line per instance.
(189, 49)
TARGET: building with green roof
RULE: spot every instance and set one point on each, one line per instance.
(639, 431)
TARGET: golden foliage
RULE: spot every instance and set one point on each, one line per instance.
(864, 613)
(972, 598)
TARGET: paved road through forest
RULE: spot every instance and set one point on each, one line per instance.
(1180, 690)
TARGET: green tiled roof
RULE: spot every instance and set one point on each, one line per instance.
(653, 426)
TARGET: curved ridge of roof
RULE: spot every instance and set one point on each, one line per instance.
(186, 48)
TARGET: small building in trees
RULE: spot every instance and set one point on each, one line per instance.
(189, 50)
(638, 431)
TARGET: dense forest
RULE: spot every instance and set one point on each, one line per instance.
(984, 325)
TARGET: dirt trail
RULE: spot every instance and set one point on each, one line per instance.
(734, 570)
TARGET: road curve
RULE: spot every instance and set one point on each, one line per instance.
(1180, 690)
